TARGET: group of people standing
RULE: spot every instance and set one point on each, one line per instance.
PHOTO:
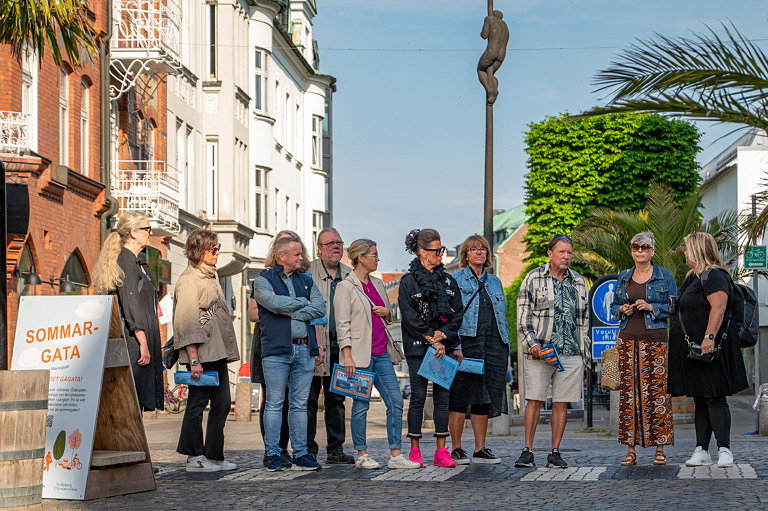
(311, 315)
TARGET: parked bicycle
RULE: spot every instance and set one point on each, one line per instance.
(176, 398)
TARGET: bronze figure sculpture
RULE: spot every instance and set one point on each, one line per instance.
(496, 32)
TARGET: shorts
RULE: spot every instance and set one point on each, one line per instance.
(566, 386)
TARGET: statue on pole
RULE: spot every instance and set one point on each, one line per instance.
(496, 32)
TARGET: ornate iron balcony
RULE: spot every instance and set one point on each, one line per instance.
(14, 131)
(150, 186)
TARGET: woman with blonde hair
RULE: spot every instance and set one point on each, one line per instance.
(361, 309)
(704, 305)
(119, 271)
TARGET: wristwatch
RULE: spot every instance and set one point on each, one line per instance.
(194, 362)
(710, 336)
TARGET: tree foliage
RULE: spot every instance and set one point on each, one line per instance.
(601, 241)
(31, 24)
(607, 162)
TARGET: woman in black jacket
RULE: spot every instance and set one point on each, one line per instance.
(431, 310)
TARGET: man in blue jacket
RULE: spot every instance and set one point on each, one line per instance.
(288, 301)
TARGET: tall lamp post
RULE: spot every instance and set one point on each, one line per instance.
(496, 32)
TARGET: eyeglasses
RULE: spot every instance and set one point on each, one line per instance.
(331, 244)
(558, 236)
(641, 248)
(147, 228)
(215, 250)
(478, 250)
(371, 255)
(437, 251)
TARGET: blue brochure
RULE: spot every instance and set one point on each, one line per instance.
(472, 365)
(319, 321)
(207, 379)
(549, 355)
(357, 387)
(439, 371)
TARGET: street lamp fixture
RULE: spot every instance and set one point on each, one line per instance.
(66, 286)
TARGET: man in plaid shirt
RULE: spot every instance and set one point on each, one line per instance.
(552, 309)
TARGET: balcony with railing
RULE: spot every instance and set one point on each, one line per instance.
(15, 131)
(150, 186)
(148, 32)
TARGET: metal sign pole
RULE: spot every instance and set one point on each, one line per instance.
(755, 286)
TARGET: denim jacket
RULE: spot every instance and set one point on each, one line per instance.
(468, 285)
(659, 288)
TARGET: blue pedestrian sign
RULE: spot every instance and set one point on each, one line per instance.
(601, 302)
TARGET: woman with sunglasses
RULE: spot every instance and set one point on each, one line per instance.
(120, 271)
(484, 335)
(431, 310)
(640, 303)
(206, 341)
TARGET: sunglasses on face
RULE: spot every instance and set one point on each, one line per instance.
(215, 250)
(147, 228)
(437, 251)
(641, 248)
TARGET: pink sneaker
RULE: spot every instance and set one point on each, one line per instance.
(443, 458)
(415, 456)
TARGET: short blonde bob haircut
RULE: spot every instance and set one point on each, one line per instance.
(359, 248)
(475, 241)
(703, 252)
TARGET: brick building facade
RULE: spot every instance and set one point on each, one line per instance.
(50, 126)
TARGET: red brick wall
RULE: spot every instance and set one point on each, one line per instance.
(511, 257)
(63, 219)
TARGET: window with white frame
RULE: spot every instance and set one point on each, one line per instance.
(29, 70)
(261, 80)
(317, 156)
(260, 195)
(85, 109)
(317, 226)
(212, 176)
(63, 116)
(287, 212)
(212, 69)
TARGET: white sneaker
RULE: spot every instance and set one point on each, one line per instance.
(201, 464)
(401, 462)
(700, 458)
(224, 464)
(725, 458)
(366, 462)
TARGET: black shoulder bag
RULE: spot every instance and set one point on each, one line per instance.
(694, 350)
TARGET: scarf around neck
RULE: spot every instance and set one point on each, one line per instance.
(434, 286)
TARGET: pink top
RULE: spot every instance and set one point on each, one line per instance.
(379, 337)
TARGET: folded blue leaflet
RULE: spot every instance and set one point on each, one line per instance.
(207, 379)
(472, 365)
(549, 355)
(440, 371)
(319, 321)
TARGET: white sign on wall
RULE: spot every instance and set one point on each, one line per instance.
(67, 335)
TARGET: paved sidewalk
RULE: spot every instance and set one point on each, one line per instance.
(593, 479)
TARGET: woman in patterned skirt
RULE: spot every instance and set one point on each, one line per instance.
(640, 303)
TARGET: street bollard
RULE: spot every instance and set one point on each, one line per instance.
(243, 402)
(762, 403)
(500, 425)
(614, 413)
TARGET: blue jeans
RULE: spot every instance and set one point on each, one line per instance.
(386, 383)
(294, 370)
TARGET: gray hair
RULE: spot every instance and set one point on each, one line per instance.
(644, 237)
(326, 231)
(283, 245)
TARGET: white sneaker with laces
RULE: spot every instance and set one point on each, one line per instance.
(225, 465)
(401, 462)
(201, 464)
(725, 457)
(700, 458)
(366, 462)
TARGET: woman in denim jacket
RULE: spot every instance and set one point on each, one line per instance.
(640, 303)
(484, 335)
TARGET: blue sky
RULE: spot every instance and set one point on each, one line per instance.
(409, 111)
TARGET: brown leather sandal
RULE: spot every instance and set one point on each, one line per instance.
(660, 458)
(629, 460)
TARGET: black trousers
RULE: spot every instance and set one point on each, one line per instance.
(712, 415)
(191, 436)
(334, 410)
(440, 397)
(284, 431)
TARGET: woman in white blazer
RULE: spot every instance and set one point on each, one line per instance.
(361, 308)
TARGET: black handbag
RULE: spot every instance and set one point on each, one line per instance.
(694, 350)
(170, 355)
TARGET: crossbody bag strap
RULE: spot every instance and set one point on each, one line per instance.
(480, 286)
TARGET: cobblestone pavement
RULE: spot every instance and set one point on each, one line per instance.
(593, 479)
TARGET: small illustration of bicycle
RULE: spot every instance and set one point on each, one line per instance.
(176, 398)
(69, 465)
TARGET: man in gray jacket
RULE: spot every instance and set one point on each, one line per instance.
(327, 271)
